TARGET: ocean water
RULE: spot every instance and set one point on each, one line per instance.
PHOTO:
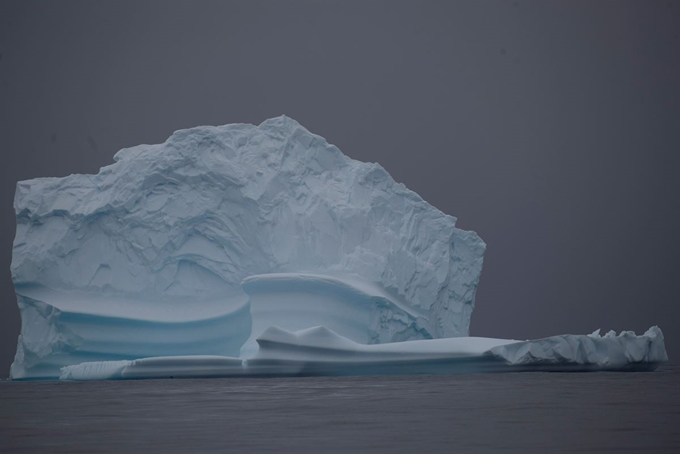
(513, 412)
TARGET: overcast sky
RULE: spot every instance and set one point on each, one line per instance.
(552, 129)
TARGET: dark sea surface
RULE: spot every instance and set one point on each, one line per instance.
(511, 412)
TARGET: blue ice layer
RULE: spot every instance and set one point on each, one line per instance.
(71, 337)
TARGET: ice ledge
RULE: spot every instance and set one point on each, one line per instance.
(319, 351)
(202, 366)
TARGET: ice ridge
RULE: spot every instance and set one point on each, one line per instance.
(610, 352)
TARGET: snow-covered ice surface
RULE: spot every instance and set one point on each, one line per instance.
(192, 249)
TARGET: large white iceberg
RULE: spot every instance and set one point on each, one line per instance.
(179, 258)
(147, 257)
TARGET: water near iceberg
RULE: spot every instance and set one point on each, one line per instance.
(528, 412)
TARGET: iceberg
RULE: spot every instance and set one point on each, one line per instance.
(180, 258)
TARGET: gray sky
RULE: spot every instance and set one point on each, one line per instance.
(552, 129)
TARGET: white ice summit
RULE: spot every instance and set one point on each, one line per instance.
(246, 250)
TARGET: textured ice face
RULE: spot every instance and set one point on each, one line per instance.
(183, 223)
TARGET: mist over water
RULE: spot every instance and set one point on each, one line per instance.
(515, 412)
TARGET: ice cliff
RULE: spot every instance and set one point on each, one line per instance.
(196, 246)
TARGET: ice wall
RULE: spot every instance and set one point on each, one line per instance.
(166, 235)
